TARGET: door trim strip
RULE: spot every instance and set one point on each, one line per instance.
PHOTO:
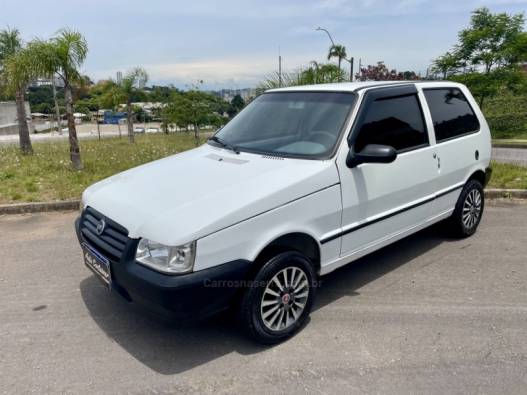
(389, 215)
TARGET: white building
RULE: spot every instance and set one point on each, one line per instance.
(9, 119)
(47, 82)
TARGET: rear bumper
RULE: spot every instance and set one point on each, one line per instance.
(183, 297)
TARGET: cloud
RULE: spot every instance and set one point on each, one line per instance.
(246, 70)
(367, 8)
(213, 72)
(236, 41)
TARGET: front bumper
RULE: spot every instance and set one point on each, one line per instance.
(183, 297)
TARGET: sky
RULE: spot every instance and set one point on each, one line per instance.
(235, 43)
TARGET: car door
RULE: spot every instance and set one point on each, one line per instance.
(458, 141)
(382, 200)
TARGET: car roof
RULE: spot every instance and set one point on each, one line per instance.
(356, 86)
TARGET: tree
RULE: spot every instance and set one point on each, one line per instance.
(63, 55)
(380, 72)
(487, 85)
(17, 74)
(236, 105)
(517, 51)
(337, 51)
(125, 92)
(446, 65)
(488, 54)
(159, 93)
(43, 96)
(194, 108)
(490, 40)
(315, 73)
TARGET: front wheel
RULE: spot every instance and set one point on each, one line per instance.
(469, 209)
(280, 300)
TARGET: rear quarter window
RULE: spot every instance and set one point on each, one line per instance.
(451, 113)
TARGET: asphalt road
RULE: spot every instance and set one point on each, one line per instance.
(517, 156)
(84, 131)
(426, 315)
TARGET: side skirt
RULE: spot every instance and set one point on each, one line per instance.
(378, 244)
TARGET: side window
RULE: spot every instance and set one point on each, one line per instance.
(451, 113)
(394, 121)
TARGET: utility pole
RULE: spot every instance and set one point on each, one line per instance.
(279, 68)
(352, 61)
(360, 68)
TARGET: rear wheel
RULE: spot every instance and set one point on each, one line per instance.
(280, 300)
(469, 209)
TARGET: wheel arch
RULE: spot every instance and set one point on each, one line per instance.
(478, 175)
(301, 242)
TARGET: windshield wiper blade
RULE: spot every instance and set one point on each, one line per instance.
(225, 144)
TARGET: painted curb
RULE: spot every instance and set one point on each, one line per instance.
(39, 207)
(72, 205)
(511, 145)
(506, 193)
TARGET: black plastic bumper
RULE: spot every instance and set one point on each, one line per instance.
(189, 296)
(488, 174)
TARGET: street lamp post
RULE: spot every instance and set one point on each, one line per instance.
(328, 33)
(350, 61)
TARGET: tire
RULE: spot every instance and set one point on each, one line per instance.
(468, 211)
(270, 314)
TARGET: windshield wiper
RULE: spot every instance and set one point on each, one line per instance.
(224, 144)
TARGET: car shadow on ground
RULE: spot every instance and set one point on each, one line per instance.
(170, 349)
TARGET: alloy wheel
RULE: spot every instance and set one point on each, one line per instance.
(471, 209)
(284, 298)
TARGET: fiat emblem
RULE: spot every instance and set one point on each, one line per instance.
(101, 226)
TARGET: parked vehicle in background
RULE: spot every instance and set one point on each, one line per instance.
(152, 130)
(139, 130)
(301, 182)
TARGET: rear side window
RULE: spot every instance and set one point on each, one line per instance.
(394, 121)
(451, 113)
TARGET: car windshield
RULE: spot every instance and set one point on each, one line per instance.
(297, 124)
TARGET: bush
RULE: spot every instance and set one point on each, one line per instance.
(507, 125)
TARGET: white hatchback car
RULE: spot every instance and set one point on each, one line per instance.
(302, 181)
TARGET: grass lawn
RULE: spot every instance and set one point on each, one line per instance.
(47, 176)
(510, 142)
(508, 176)
(509, 136)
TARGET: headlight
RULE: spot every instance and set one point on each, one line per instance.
(172, 260)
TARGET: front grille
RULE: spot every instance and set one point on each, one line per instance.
(111, 242)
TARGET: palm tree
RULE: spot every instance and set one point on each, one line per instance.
(337, 51)
(16, 76)
(314, 66)
(63, 55)
(315, 73)
(117, 93)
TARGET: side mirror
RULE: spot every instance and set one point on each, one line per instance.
(372, 153)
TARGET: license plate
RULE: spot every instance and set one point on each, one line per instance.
(98, 264)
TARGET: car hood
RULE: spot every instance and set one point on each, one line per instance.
(187, 196)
